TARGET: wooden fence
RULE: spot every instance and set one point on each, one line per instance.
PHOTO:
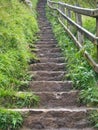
(65, 14)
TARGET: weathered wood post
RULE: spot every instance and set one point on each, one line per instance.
(59, 7)
(68, 13)
(79, 21)
(97, 31)
(63, 11)
(54, 11)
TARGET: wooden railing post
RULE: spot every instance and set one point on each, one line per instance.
(63, 11)
(60, 8)
(79, 21)
(68, 13)
(52, 5)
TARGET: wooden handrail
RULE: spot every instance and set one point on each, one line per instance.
(83, 11)
(62, 15)
(90, 36)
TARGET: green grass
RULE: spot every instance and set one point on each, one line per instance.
(18, 28)
(13, 99)
(93, 118)
(17, 31)
(10, 120)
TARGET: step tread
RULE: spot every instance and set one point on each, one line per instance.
(49, 63)
(49, 59)
(48, 75)
(60, 129)
(47, 66)
(48, 50)
(46, 45)
(51, 86)
(57, 99)
(55, 118)
(70, 109)
(54, 55)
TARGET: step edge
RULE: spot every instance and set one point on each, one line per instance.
(52, 81)
(55, 110)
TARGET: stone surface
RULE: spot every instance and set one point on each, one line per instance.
(49, 46)
(48, 66)
(58, 99)
(55, 60)
(48, 75)
(51, 86)
(49, 55)
(46, 50)
(59, 129)
(56, 119)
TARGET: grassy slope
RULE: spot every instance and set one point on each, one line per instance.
(18, 26)
(80, 72)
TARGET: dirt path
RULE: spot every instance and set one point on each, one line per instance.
(58, 108)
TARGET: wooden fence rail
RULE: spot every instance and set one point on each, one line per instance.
(65, 14)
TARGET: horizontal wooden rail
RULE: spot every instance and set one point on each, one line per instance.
(83, 11)
(90, 36)
(80, 47)
(64, 13)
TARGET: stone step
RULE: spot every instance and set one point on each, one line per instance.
(42, 36)
(48, 75)
(47, 66)
(47, 27)
(46, 46)
(47, 42)
(56, 60)
(43, 15)
(46, 30)
(58, 99)
(55, 119)
(51, 40)
(47, 50)
(44, 25)
(25, 128)
(45, 36)
(41, 12)
(43, 22)
(49, 55)
(50, 86)
(44, 33)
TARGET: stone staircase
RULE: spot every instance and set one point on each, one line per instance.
(58, 108)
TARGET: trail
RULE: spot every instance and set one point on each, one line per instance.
(58, 108)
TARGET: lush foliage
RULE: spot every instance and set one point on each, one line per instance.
(17, 31)
(13, 99)
(94, 118)
(18, 27)
(10, 120)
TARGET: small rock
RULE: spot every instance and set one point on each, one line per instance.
(38, 126)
